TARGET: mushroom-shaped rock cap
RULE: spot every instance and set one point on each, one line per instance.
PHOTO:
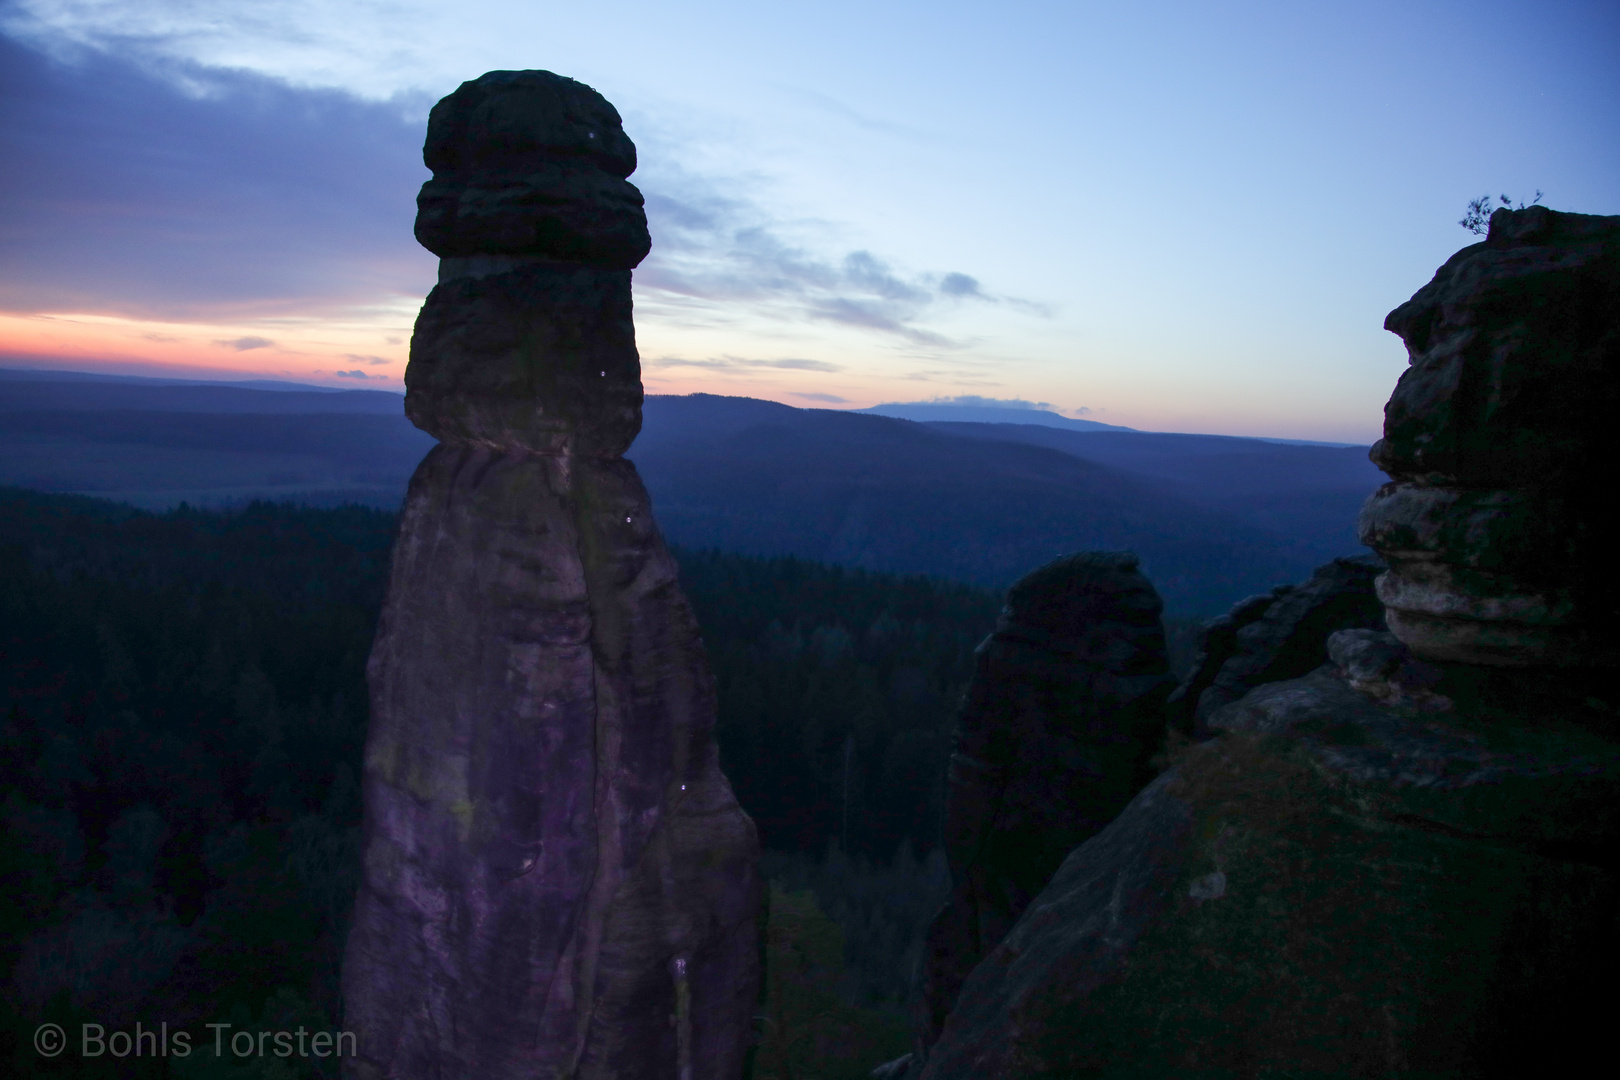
(509, 121)
(1515, 357)
(528, 163)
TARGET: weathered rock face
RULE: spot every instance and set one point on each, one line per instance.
(557, 878)
(528, 341)
(1276, 635)
(1056, 734)
(539, 358)
(1344, 883)
(1494, 443)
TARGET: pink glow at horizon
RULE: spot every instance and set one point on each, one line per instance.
(323, 352)
(294, 350)
(317, 352)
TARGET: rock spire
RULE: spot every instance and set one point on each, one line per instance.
(558, 881)
(1055, 736)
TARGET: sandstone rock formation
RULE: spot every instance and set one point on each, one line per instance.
(521, 168)
(1405, 862)
(1276, 635)
(1494, 443)
(557, 879)
(1334, 887)
(1056, 733)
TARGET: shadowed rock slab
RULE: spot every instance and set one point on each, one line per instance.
(1494, 440)
(557, 880)
(1060, 721)
(1276, 635)
(1333, 887)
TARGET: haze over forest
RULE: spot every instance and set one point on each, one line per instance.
(1215, 518)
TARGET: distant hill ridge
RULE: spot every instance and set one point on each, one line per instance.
(28, 390)
(1213, 517)
(53, 375)
(984, 414)
(947, 412)
(382, 401)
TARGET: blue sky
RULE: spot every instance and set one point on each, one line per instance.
(1186, 217)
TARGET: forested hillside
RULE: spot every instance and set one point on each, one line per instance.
(184, 718)
(185, 711)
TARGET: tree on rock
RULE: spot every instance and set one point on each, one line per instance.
(1478, 218)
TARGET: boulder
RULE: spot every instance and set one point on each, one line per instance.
(557, 879)
(1276, 635)
(1055, 735)
(1379, 665)
(1493, 442)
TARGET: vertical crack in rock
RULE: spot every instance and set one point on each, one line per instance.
(558, 880)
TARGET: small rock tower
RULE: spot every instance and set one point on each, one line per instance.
(1495, 522)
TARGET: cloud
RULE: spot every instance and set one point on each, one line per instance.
(357, 374)
(164, 189)
(954, 284)
(978, 401)
(243, 344)
(179, 192)
(950, 375)
(713, 247)
(843, 111)
(864, 271)
(832, 399)
(986, 402)
(873, 315)
(733, 363)
(366, 358)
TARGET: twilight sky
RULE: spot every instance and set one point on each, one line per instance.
(1173, 216)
